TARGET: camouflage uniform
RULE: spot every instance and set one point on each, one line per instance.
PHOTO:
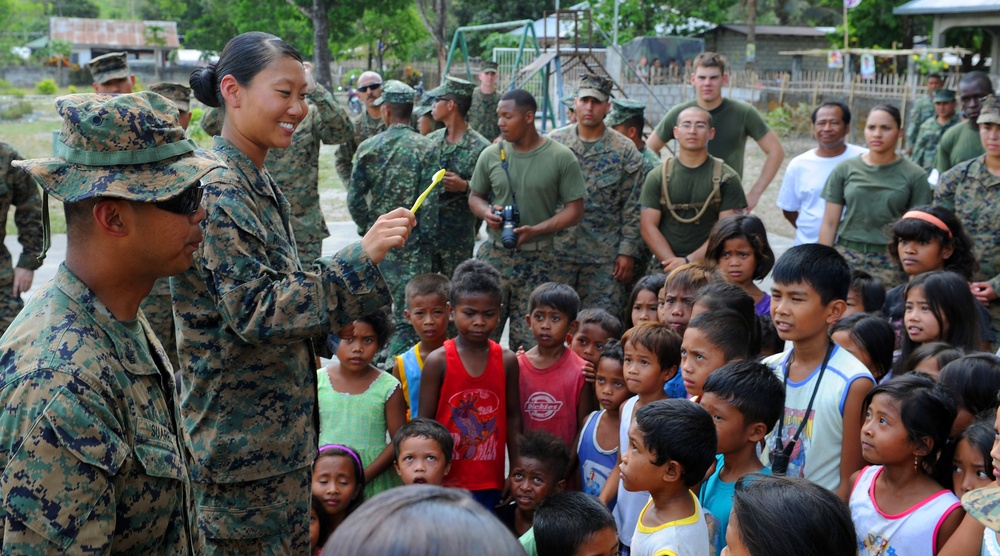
(456, 230)
(296, 169)
(245, 314)
(973, 194)
(364, 128)
(89, 439)
(613, 172)
(483, 114)
(391, 170)
(923, 108)
(925, 148)
(18, 190)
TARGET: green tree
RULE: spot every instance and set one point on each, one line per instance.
(71, 8)
(21, 21)
(163, 10)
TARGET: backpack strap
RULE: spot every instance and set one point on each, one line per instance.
(714, 198)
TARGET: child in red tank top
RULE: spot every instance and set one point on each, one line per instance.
(470, 385)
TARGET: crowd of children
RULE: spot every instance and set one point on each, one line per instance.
(691, 429)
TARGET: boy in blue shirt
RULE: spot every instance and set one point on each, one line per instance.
(427, 311)
(745, 400)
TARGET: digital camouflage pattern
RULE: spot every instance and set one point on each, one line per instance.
(483, 113)
(923, 108)
(109, 66)
(92, 149)
(925, 147)
(17, 190)
(159, 310)
(176, 92)
(456, 229)
(391, 170)
(453, 86)
(296, 169)
(973, 194)
(88, 438)
(614, 173)
(245, 313)
(364, 127)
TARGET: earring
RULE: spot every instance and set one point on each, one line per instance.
(916, 462)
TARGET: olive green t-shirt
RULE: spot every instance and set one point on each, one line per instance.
(958, 144)
(875, 196)
(733, 121)
(544, 179)
(689, 186)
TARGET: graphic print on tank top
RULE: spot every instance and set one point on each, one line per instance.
(794, 419)
(475, 412)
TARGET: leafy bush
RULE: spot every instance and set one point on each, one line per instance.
(71, 89)
(15, 110)
(47, 87)
(790, 121)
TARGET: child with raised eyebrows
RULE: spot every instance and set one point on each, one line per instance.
(537, 472)
(825, 385)
(745, 400)
(427, 311)
(597, 327)
(422, 452)
(652, 353)
(672, 444)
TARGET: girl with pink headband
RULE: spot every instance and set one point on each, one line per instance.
(338, 484)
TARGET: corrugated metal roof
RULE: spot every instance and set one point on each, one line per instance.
(112, 33)
(921, 7)
(781, 30)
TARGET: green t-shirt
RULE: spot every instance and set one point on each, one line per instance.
(958, 144)
(528, 542)
(545, 179)
(733, 121)
(689, 186)
(875, 196)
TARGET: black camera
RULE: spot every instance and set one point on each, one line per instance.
(511, 219)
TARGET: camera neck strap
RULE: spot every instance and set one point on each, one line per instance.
(781, 423)
(504, 164)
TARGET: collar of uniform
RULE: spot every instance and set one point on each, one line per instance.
(570, 136)
(978, 169)
(239, 162)
(134, 359)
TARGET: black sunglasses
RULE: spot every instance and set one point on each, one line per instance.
(186, 202)
(366, 88)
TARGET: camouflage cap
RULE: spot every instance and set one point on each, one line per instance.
(424, 106)
(567, 101)
(396, 92)
(597, 86)
(177, 93)
(124, 146)
(984, 505)
(109, 66)
(944, 95)
(453, 86)
(624, 109)
(488, 66)
(989, 111)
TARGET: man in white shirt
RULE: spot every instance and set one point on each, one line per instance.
(806, 174)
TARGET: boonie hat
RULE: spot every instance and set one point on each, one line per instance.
(453, 86)
(109, 66)
(989, 112)
(944, 95)
(984, 505)
(488, 66)
(126, 146)
(179, 94)
(597, 86)
(623, 109)
(567, 101)
(424, 106)
(395, 92)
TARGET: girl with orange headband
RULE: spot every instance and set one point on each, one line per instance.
(930, 238)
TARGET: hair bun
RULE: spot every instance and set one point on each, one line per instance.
(203, 83)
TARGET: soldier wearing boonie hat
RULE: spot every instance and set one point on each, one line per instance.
(457, 148)
(608, 235)
(90, 441)
(111, 73)
(569, 101)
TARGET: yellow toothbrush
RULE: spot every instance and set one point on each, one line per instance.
(438, 176)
